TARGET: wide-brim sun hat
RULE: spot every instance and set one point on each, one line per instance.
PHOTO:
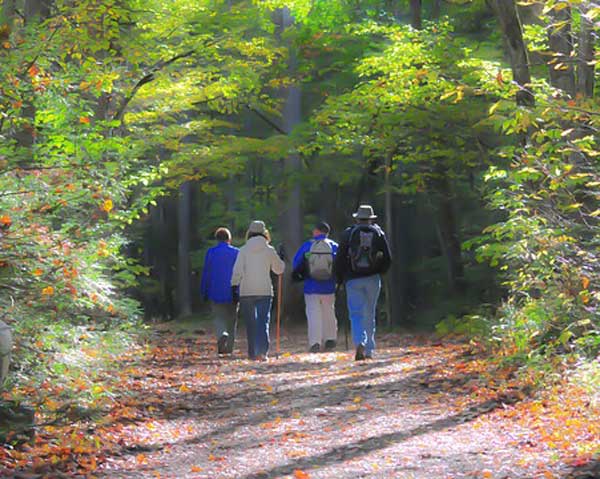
(364, 212)
(257, 227)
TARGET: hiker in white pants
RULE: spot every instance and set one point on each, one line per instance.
(322, 324)
(313, 264)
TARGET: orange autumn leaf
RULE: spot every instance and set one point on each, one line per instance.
(195, 469)
(300, 474)
(585, 282)
(84, 120)
(499, 78)
(5, 220)
(37, 272)
(33, 70)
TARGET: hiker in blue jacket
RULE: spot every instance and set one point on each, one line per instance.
(216, 288)
(313, 263)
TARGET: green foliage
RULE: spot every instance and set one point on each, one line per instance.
(547, 244)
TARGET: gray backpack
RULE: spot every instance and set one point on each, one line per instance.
(319, 260)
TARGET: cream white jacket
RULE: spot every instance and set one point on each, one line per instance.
(252, 268)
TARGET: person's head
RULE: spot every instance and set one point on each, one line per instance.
(223, 235)
(321, 228)
(365, 215)
(258, 228)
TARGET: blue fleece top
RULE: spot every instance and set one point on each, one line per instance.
(216, 275)
(312, 286)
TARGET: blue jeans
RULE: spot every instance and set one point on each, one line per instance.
(362, 295)
(256, 312)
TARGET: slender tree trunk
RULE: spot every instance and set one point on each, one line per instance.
(560, 41)
(290, 218)
(436, 9)
(184, 289)
(585, 57)
(448, 236)
(8, 11)
(510, 23)
(37, 9)
(416, 14)
(389, 229)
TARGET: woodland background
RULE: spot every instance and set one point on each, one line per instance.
(130, 130)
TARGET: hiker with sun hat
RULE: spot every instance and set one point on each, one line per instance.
(251, 283)
(362, 257)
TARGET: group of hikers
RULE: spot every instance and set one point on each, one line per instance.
(239, 280)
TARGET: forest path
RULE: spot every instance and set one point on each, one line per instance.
(419, 409)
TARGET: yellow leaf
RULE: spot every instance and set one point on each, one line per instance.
(107, 205)
(195, 469)
(48, 291)
(184, 389)
(494, 107)
(357, 399)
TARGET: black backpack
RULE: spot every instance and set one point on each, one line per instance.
(364, 250)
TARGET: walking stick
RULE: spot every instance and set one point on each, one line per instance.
(278, 325)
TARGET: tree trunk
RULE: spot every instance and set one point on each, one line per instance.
(5, 349)
(585, 57)
(560, 41)
(184, 205)
(389, 229)
(510, 23)
(449, 237)
(37, 9)
(290, 217)
(8, 11)
(416, 17)
(436, 9)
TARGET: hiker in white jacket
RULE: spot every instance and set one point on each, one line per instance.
(252, 286)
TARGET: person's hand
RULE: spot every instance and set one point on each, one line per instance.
(281, 252)
(235, 294)
(297, 276)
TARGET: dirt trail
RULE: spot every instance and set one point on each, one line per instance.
(418, 410)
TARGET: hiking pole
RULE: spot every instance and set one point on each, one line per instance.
(278, 324)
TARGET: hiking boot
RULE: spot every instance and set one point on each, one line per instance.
(222, 344)
(315, 348)
(360, 353)
(330, 345)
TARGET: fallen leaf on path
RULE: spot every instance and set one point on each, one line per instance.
(300, 474)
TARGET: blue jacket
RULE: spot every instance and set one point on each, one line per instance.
(312, 286)
(216, 275)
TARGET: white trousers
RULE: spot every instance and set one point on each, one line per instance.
(320, 313)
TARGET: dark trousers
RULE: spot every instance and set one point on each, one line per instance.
(225, 317)
(256, 313)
